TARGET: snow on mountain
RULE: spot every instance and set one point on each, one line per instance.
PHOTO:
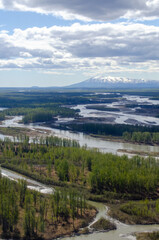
(115, 82)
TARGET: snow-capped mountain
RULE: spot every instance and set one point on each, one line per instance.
(116, 82)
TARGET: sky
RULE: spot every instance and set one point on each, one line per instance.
(61, 42)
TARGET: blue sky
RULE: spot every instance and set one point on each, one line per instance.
(9, 20)
(57, 43)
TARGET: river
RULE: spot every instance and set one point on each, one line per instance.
(34, 185)
(124, 116)
(92, 142)
(123, 231)
(83, 139)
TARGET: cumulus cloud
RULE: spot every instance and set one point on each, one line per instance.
(87, 10)
(93, 47)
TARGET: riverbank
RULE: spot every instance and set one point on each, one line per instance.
(106, 137)
(139, 153)
(119, 139)
(103, 145)
(148, 236)
(19, 131)
(70, 227)
(14, 131)
(103, 225)
(38, 132)
(59, 230)
(143, 212)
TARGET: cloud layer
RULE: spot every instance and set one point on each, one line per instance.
(93, 47)
(87, 10)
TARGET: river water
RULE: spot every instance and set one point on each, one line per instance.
(34, 185)
(83, 139)
(123, 231)
(123, 115)
(118, 117)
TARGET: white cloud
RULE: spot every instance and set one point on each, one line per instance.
(25, 54)
(92, 47)
(87, 10)
(1, 4)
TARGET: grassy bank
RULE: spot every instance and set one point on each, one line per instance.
(13, 131)
(103, 225)
(136, 212)
(148, 236)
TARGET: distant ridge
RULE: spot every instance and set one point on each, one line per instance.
(116, 83)
(34, 87)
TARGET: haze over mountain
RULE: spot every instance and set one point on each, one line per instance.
(115, 82)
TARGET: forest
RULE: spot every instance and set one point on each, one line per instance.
(102, 108)
(62, 163)
(142, 137)
(111, 129)
(48, 98)
(32, 215)
(39, 114)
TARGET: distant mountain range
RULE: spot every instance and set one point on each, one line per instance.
(116, 82)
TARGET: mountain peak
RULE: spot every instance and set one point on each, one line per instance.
(115, 79)
(110, 82)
